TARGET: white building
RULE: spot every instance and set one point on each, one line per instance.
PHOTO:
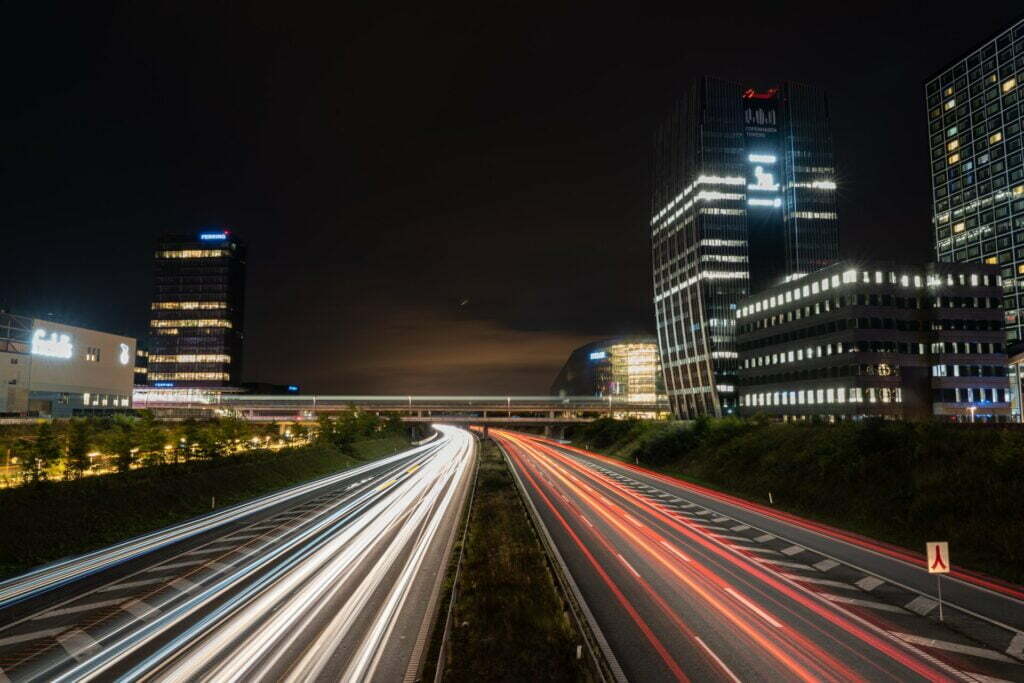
(60, 370)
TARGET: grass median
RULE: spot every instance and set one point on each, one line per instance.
(509, 621)
(45, 522)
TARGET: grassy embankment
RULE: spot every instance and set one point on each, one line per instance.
(901, 482)
(509, 623)
(44, 522)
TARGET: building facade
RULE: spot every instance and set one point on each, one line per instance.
(876, 340)
(974, 117)
(744, 194)
(56, 370)
(624, 368)
(198, 311)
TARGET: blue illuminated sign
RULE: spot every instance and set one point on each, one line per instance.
(213, 236)
(598, 355)
(163, 385)
(293, 388)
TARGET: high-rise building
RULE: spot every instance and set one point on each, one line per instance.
(974, 125)
(195, 334)
(743, 196)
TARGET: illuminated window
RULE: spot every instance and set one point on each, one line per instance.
(952, 159)
(949, 104)
(1019, 189)
(1020, 269)
(952, 144)
(992, 260)
(995, 137)
(193, 253)
(959, 227)
(949, 91)
(188, 305)
(192, 358)
(950, 132)
(1009, 84)
(186, 376)
(203, 322)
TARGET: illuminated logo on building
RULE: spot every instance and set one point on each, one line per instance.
(163, 385)
(124, 356)
(765, 181)
(292, 388)
(213, 236)
(598, 355)
(55, 346)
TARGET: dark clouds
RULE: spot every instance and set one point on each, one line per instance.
(386, 164)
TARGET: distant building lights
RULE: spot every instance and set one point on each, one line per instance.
(163, 385)
(775, 203)
(762, 158)
(598, 355)
(213, 236)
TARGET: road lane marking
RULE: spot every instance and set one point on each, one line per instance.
(77, 608)
(720, 663)
(782, 563)
(753, 608)
(871, 604)
(823, 582)
(719, 520)
(586, 521)
(1016, 646)
(130, 584)
(740, 527)
(826, 565)
(678, 553)
(954, 647)
(869, 583)
(764, 538)
(740, 538)
(921, 605)
(793, 550)
(756, 550)
(176, 565)
(140, 610)
(34, 635)
(628, 565)
(183, 585)
(78, 644)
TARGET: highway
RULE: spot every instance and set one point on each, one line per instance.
(336, 579)
(686, 584)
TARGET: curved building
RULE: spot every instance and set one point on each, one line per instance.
(625, 368)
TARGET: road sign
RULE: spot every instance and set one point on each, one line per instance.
(938, 557)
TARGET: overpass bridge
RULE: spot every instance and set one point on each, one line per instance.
(546, 411)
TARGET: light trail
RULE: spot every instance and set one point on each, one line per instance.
(341, 581)
(749, 620)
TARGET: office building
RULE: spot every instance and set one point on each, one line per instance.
(623, 369)
(197, 316)
(56, 370)
(861, 340)
(141, 367)
(974, 125)
(744, 195)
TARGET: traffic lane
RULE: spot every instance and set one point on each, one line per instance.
(739, 606)
(132, 599)
(59, 574)
(979, 599)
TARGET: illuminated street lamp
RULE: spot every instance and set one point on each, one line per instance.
(972, 409)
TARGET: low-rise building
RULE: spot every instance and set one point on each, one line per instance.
(624, 368)
(876, 340)
(56, 370)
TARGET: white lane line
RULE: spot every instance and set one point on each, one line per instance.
(176, 565)
(720, 663)
(204, 551)
(76, 608)
(869, 583)
(782, 563)
(140, 610)
(764, 538)
(823, 582)
(738, 538)
(78, 644)
(675, 551)
(586, 521)
(793, 550)
(753, 608)
(130, 584)
(1016, 646)
(954, 647)
(741, 527)
(871, 604)
(3, 678)
(921, 605)
(826, 565)
(628, 565)
(719, 520)
(752, 549)
(34, 635)
(632, 520)
(183, 585)
(703, 513)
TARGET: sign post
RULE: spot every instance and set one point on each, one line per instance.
(938, 563)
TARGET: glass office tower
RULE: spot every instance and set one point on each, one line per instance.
(743, 197)
(195, 335)
(974, 126)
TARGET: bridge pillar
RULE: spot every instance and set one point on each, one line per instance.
(556, 432)
(484, 432)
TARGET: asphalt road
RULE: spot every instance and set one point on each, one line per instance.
(682, 589)
(333, 580)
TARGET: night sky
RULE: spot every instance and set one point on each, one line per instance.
(435, 200)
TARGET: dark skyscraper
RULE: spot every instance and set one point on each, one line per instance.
(743, 196)
(195, 334)
(974, 126)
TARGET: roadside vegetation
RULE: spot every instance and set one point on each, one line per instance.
(901, 482)
(509, 623)
(52, 518)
